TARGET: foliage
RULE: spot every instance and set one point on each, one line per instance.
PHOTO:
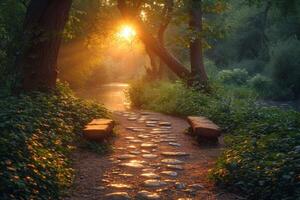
(261, 84)
(235, 76)
(284, 66)
(37, 131)
(263, 143)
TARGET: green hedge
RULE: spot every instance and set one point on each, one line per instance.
(37, 132)
(262, 158)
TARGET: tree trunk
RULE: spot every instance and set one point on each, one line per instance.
(43, 27)
(152, 43)
(196, 51)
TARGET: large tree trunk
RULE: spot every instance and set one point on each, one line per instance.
(43, 27)
(152, 43)
(196, 51)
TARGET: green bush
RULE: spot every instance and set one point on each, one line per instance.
(234, 77)
(37, 131)
(285, 67)
(262, 158)
(262, 85)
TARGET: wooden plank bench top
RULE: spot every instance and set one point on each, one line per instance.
(98, 129)
(203, 127)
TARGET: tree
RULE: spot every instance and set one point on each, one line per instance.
(196, 52)
(43, 26)
(131, 13)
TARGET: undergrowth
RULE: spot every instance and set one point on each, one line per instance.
(262, 158)
(37, 134)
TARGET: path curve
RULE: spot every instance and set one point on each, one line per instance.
(96, 175)
(137, 168)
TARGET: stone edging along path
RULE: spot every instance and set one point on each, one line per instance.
(152, 159)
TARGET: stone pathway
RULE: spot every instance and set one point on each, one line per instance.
(152, 159)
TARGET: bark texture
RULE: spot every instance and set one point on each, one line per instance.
(196, 52)
(43, 27)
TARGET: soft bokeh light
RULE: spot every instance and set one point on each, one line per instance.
(127, 32)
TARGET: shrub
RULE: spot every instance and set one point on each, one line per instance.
(36, 134)
(235, 76)
(261, 84)
(285, 66)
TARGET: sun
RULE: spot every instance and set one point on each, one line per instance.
(127, 32)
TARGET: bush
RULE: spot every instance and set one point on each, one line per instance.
(234, 77)
(285, 66)
(262, 85)
(262, 156)
(36, 135)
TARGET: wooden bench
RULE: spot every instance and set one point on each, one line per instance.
(98, 129)
(204, 128)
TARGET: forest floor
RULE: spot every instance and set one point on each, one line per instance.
(141, 167)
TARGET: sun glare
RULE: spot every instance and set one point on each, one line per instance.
(127, 32)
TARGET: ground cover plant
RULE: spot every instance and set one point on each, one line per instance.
(37, 134)
(262, 142)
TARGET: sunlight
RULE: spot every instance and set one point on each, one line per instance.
(127, 32)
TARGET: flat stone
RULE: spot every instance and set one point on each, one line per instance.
(149, 156)
(129, 138)
(151, 122)
(143, 136)
(148, 145)
(179, 185)
(131, 118)
(150, 175)
(133, 164)
(126, 175)
(151, 125)
(197, 186)
(135, 152)
(120, 148)
(165, 124)
(160, 132)
(174, 144)
(162, 129)
(167, 140)
(136, 141)
(170, 173)
(120, 186)
(139, 130)
(105, 181)
(145, 195)
(148, 170)
(117, 196)
(125, 156)
(178, 167)
(172, 161)
(154, 183)
(131, 147)
(145, 151)
(174, 153)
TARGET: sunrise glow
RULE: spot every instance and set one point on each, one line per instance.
(127, 32)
